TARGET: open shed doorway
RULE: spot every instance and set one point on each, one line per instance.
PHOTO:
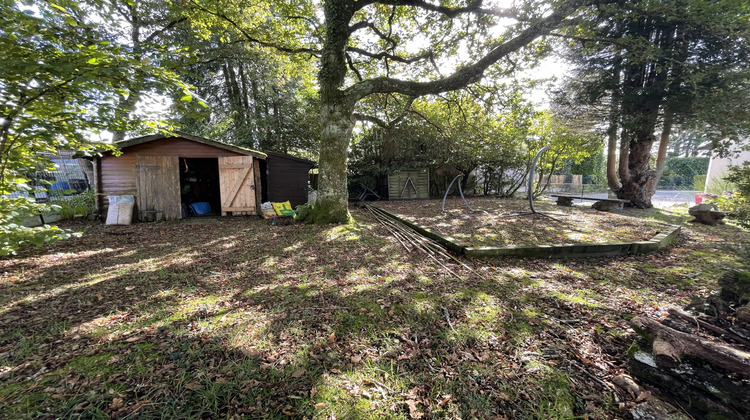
(200, 194)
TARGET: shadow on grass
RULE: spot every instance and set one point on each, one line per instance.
(238, 318)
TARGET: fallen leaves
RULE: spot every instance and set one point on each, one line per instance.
(231, 321)
(414, 411)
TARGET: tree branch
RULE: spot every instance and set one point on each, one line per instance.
(253, 39)
(160, 31)
(372, 119)
(470, 74)
(350, 63)
(402, 114)
(364, 24)
(382, 55)
(451, 12)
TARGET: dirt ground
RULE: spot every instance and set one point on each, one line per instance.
(501, 222)
(233, 317)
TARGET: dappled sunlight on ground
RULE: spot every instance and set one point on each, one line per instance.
(238, 318)
(497, 222)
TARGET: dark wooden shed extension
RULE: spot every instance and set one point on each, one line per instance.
(286, 179)
(169, 174)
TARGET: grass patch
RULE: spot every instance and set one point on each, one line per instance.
(238, 318)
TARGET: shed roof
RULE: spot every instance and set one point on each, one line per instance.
(286, 156)
(146, 139)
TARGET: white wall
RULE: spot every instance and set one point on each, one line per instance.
(717, 167)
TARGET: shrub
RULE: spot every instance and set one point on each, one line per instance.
(699, 182)
(79, 205)
(14, 235)
(688, 167)
(737, 204)
(303, 212)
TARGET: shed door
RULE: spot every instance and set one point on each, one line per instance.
(159, 185)
(237, 181)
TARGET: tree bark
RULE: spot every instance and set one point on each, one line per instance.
(692, 388)
(336, 113)
(670, 345)
(661, 156)
(635, 184)
(614, 127)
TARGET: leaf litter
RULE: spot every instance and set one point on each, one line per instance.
(237, 318)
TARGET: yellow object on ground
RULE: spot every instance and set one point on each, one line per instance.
(283, 209)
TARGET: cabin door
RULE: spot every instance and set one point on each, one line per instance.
(237, 182)
(158, 183)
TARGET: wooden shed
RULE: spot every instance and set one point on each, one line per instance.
(172, 176)
(409, 184)
(286, 179)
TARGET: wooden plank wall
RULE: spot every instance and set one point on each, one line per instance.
(118, 173)
(419, 177)
(159, 185)
(287, 180)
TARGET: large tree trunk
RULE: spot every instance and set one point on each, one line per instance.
(336, 112)
(661, 157)
(332, 202)
(635, 184)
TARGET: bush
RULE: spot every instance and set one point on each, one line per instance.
(740, 176)
(687, 167)
(14, 235)
(79, 205)
(303, 212)
(699, 182)
(736, 203)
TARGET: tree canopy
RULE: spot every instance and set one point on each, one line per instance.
(402, 48)
(61, 78)
(649, 66)
(265, 68)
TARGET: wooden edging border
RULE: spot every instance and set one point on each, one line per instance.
(661, 240)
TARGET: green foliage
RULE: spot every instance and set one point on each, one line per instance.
(303, 212)
(687, 167)
(461, 133)
(79, 205)
(737, 203)
(14, 235)
(645, 66)
(63, 77)
(685, 144)
(256, 98)
(699, 182)
(592, 167)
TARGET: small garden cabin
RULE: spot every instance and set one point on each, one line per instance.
(287, 178)
(177, 176)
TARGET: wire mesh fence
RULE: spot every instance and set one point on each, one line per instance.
(67, 177)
